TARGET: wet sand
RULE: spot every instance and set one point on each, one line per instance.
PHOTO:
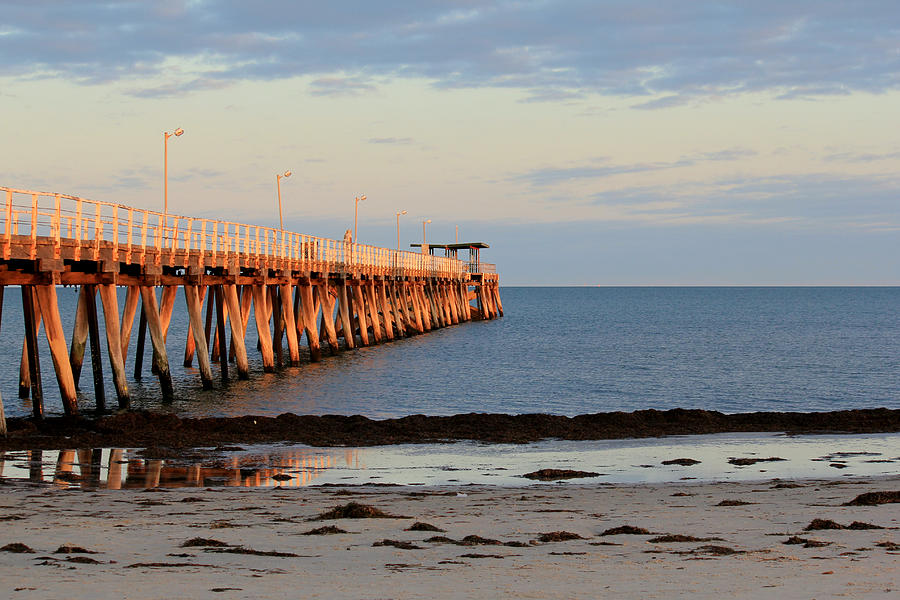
(146, 429)
(568, 540)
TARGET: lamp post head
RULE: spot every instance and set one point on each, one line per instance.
(361, 198)
(402, 212)
(179, 131)
(428, 221)
(287, 174)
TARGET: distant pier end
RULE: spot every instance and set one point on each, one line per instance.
(335, 295)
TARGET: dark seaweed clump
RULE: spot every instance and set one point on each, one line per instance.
(875, 498)
(355, 510)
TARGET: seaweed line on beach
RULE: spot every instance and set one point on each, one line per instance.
(149, 429)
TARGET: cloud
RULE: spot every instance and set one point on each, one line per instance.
(174, 90)
(667, 52)
(391, 140)
(556, 175)
(801, 200)
(861, 157)
(340, 86)
(664, 102)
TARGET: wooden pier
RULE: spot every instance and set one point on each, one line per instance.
(337, 294)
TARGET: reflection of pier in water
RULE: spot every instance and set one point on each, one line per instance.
(121, 469)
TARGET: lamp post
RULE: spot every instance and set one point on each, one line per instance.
(402, 212)
(356, 216)
(423, 231)
(166, 136)
(278, 183)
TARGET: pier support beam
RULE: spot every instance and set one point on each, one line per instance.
(114, 342)
(287, 312)
(192, 299)
(31, 359)
(260, 311)
(278, 324)
(46, 295)
(409, 300)
(131, 301)
(90, 302)
(190, 345)
(150, 310)
(79, 337)
(220, 331)
(324, 291)
(372, 301)
(25, 386)
(497, 301)
(381, 291)
(360, 306)
(139, 348)
(238, 331)
(310, 312)
(344, 312)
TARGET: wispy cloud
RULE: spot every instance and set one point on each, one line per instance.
(340, 86)
(667, 52)
(861, 157)
(391, 140)
(802, 200)
(555, 175)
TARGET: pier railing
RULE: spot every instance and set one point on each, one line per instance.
(33, 219)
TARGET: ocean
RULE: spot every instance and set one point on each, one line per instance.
(567, 351)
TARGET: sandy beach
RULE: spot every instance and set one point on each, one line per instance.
(567, 540)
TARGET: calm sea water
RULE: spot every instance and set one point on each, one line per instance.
(559, 350)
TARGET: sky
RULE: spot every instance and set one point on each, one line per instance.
(589, 142)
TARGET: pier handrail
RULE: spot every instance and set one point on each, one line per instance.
(139, 236)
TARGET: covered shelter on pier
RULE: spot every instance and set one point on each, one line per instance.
(452, 251)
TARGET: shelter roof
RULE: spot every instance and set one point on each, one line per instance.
(457, 246)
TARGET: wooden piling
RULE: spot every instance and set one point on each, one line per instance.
(402, 300)
(150, 310)
(113, 341)
(375, 318)
(344, 312)
(139, 348)
(411, 306)
(418, 294)
(325, 291)
(131, 301)
(261, 314)
(59, 352)
(166, 306)
(274, 314)
(436, 320)
(25, 386)
(360, 306)
(310, 314)
(287, 317)
(2, 413)
(237, 331)
(79, 337)
(190, 345)
(192, 300)
(220, 332)
(90, 301)
(497, 301)
(245, 296)
(381, 293)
